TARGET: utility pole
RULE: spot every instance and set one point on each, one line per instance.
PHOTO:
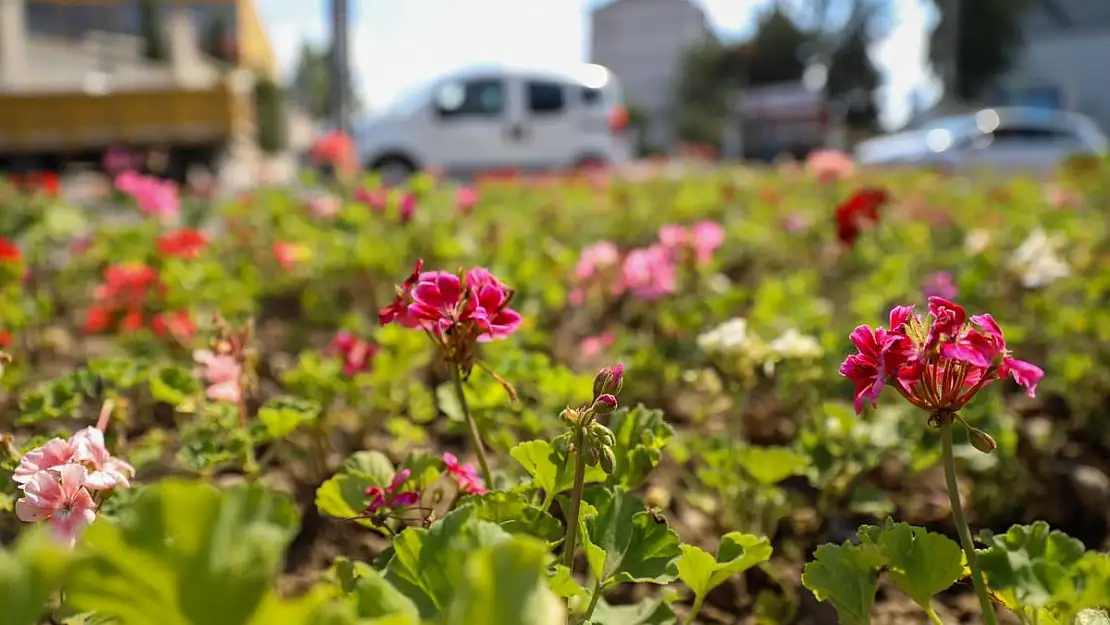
(950, 72)
(340, 65)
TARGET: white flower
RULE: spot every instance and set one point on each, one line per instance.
(730, 337)
(1037, 260)
(977, 241)
(794, 344)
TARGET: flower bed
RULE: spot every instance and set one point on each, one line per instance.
(795, 395)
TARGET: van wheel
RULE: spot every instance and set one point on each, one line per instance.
(394, 170)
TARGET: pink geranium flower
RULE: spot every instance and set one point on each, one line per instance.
(465, 474)
(357, 354)
(50, 457)
(649, 273)
(61, 499)
(389, 497)
(224, 374)
(154, 196)
(938, 363)
(466, 198)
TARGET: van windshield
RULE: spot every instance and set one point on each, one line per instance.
(411, 100)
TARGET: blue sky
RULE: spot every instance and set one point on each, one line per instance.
(396, 44)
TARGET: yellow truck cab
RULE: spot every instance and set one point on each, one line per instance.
(78, 77)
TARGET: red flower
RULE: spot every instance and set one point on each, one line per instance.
(9, 253)
(398, 309)
(938, 363)
(178, 324)
(862, 207)
(5, 338)
(186, 243)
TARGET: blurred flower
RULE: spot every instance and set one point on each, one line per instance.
(224, 375)
(466, 198)
(702, 239)
(126, 291)
(154, 196)
(187, 243)
(1038, 261)
(389, 497)
(118, 159)
(592, 346)
(406, 207)
(940, 284)
(938, 363)
(375, 199)
(649, 273)
(80, 244)
(859, 209)
(1060, 197)
(324, 206)
(357, 354)
(830, 165)
(177, 324)
(977, 241)
(596, 258)
(795, 345)
(9, 253)
(289, 255)
(465, 474)
(728, 338)
(795, 222)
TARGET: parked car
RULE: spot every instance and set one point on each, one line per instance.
(492, 119)
(1010, 139)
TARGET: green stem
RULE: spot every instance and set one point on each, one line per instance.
(698, 600)
(575, 501)
(933, 618)
(593, 601)
(961, 522)
(472, 426)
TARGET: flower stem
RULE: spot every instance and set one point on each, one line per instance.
(694, 610)
(472, 426)
(593, 601)
(961, 522)
(575, 501)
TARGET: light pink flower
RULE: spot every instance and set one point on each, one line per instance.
(60, 498)
(649, 273)
(701, 239)
(223, 374)
(593, 345)
(596, 258)
(466, 198)
(50, 457)
(830, 165)
(324, 206)
(105, 471)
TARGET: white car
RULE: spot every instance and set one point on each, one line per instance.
(500, 118)
(1009, 139)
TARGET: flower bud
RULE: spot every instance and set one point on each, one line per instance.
(591, 455)
(604, 404)
(570, 416)
(609, 380)
(607, 460)
(981, 440)
(603, 435)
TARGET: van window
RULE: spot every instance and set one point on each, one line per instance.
(545, 97)
(483, 97)
(591, 96)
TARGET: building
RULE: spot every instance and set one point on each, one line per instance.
(642, 42)
(1063, 64)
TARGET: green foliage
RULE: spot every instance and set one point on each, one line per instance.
(989, 40)
(270, 115)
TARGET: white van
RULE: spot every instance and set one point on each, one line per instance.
(494, 119)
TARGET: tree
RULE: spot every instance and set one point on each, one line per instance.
(774, 53)
(311, 84)
(851, 70)
(989, 39)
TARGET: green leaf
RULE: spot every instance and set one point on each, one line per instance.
(649, 611)
(634, 546)
(505, 584)
(283, 414)
(370, 465)
(173, 384)
(375, 597)
(427, 563)
(513, 512)
(562, 583)
(771, 465)
(343, 495)
(29, 574)
(847, 576)
(921, 563)
(737, 553)
(1034, 562)
(448, 402)
(185, 553)
(547, 471)
(641, 435)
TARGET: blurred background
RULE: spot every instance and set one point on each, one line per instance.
(244, 88)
